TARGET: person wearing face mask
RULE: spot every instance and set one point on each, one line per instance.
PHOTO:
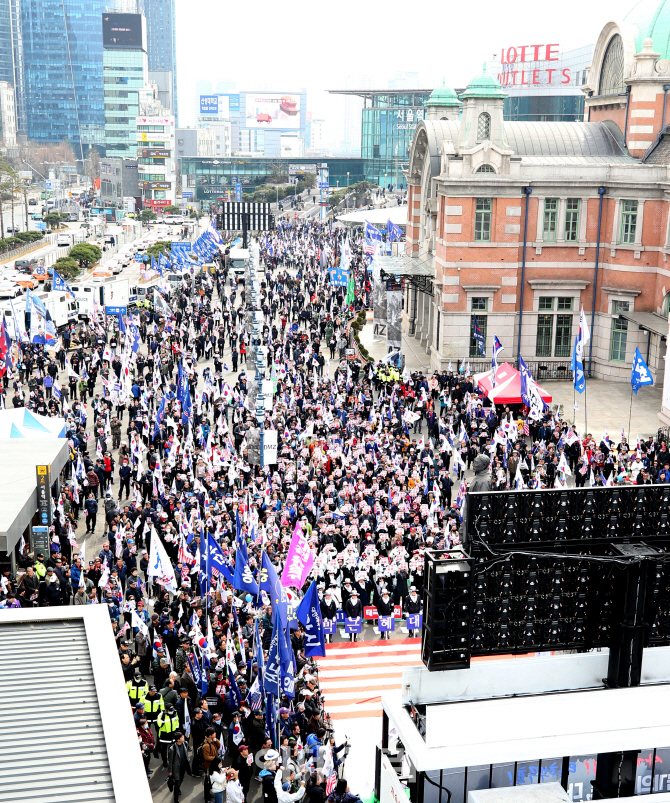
(328, 610)
(413, 606)
(147, 743)
(124, 477)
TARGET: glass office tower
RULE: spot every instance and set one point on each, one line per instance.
(63, 71)
(389, 118)
(162, 41)
(125, 71)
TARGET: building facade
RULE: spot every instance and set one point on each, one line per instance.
(126, 74)
(210, 179)
(62, 56)
(388, 121)
(162, 44)
(524, 223)
(118, 182)
(11, 57)
(7, 114)
(156, 163)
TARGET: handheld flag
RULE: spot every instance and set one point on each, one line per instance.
(497, 348)
(640, 375)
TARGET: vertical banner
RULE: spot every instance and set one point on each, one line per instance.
(379, 303)
(43, 475)
(394, 316)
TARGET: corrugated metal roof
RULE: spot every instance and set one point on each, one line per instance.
(52, 746)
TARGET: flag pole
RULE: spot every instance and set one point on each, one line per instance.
(630, 411)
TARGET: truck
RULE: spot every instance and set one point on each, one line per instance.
(111, 293)
(238, 260)
(61, 307)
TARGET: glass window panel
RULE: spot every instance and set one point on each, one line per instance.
(479, 304)
(528, 772)
(619, 339)
(628, 221)
(563, 335)
(571, 219)
(550, 217)
(581, 772)
(662, 770)
(454, 781)
(550, 770)
(643, 775)
(474, 345)
(478, 777)
(483, 209)
(565, 303)
(545, 324)
(502, 775)
(546, 303)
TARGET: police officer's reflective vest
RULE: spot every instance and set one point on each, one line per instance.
(40, 569)
(167, 725)
(137, 689)
(153, 705)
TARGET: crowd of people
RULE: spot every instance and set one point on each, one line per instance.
(370, 470)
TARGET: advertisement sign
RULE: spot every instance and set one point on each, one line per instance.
(40, 541)
(295, 169)
(122, 31)
(43, 476)
(533, 65)
(152, 153)
(155, 185)
(215, 105)
(238, 193)
(272, 111)
(187, 194)
(153, 136)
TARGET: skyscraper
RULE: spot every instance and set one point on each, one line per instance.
(162, 40)
(125, 73)
(11, 56)
(62, 51)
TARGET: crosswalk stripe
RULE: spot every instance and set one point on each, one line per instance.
(353, 675)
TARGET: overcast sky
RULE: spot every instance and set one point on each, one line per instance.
(299, 44)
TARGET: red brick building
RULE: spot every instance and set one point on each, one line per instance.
(508, 214)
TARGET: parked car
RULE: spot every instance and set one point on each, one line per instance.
(32, 201)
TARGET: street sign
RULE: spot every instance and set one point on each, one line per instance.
(139, 258)
(116, 310)
(43, 476)
(323, 185)
(187, 194)
(41, 225)
(238, 193)
(40, 540)
(49, 185)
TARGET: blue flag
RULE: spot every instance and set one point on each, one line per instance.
(269, 582)
(640, 375)
(135, 333)
(478, 336)
(270, 719)
(497, 348)
(372, 232)
(59, 284)
(579, 380)
(393, 232)
(287, 667)
(271, 679)
(309, 613)
(122, 325)
(244, 579)
(530, 395)
(235, 696)
(217, 559)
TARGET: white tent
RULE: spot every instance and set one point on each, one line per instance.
(21, 423)
(377, 217)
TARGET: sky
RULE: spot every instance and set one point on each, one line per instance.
(317, 46)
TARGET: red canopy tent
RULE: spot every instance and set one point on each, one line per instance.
(508, 386)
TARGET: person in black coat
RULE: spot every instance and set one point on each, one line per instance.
(353, 609)
(385, 608)
(328, 610)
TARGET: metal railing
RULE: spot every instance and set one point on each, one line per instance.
(541, 370)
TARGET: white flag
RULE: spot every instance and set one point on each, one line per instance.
(160, 566)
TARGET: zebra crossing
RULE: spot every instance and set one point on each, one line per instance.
(353, 675)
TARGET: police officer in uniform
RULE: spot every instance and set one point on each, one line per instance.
(137, 689)
(153, 705)
(168, 724)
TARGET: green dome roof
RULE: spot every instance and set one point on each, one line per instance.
(443, 97)
(651, 18)
(484, 86)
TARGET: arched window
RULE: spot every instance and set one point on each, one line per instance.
(485, 169)
(611, 73)
(484, 127)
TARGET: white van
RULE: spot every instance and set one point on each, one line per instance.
(175, 220)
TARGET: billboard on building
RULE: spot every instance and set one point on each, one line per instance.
(279, 111)
(216, 105)
(123, 31)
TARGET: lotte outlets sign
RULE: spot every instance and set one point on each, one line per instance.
(532, 65)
